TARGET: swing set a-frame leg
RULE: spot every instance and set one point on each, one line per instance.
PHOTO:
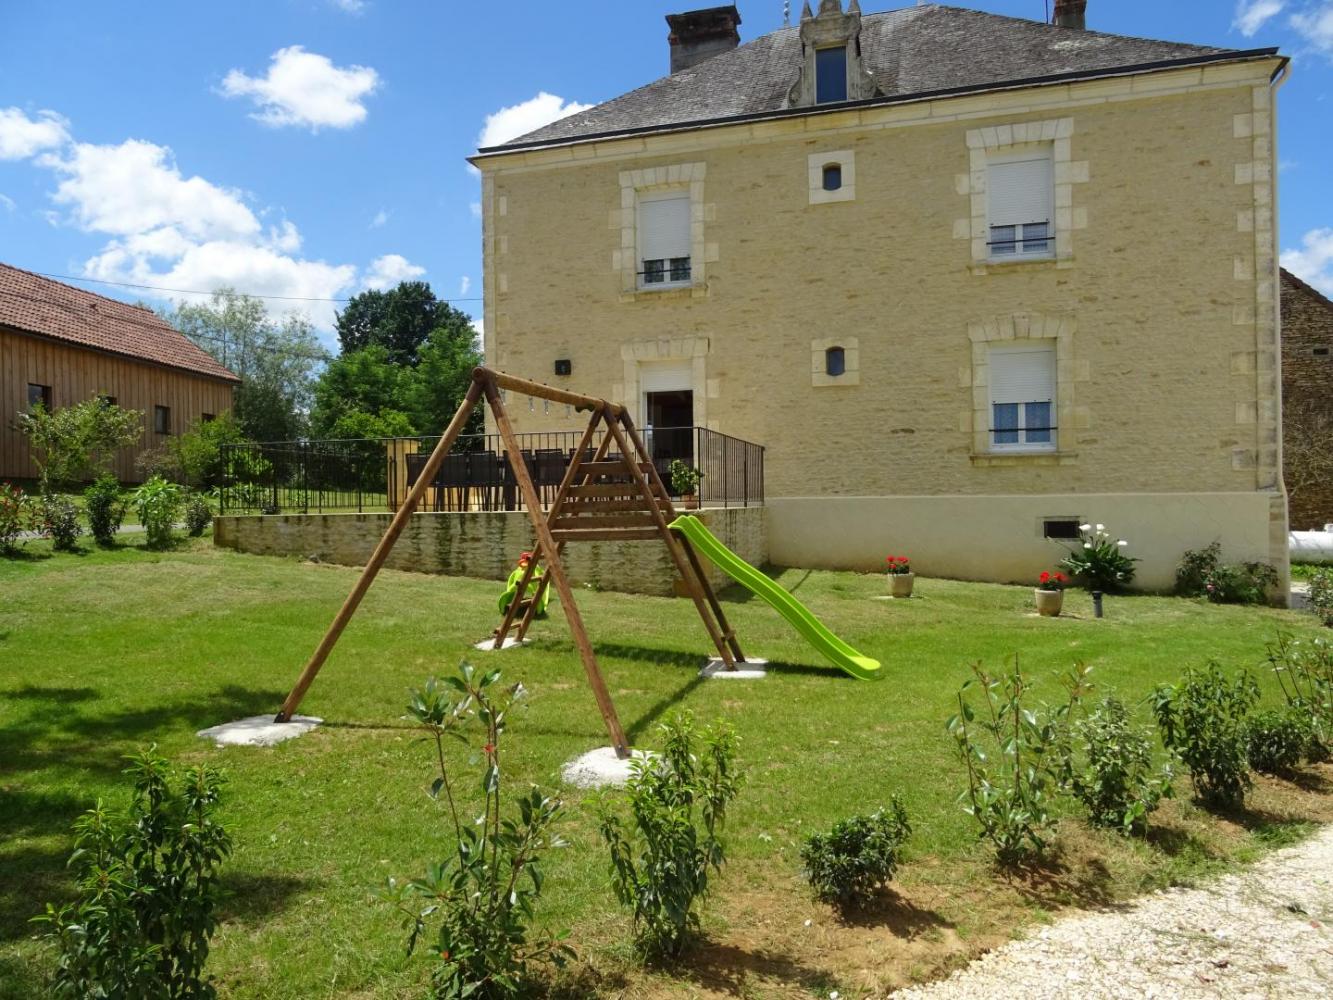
(381, 553)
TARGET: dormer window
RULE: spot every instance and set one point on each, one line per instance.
(832, 176)
(831, 75)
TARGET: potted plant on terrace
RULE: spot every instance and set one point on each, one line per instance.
(900, 575)
(1050, 594)
(685, 482)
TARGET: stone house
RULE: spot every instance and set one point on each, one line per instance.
(1307, 402)
(61, 345)
(971, 280)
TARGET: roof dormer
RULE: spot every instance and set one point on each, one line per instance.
(831, 67)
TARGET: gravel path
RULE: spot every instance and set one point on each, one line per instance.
(1264, 932)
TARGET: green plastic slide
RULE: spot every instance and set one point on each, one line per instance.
(797, 614)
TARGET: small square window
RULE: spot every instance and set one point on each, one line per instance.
(835, 361)
(1320, 352)
(832, 176)
(206, 418)
(162, 419)
(106, 400)
(39, 395)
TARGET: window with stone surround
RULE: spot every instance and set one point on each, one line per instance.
(832, 176)
(835, 361)
(1022, 396)
(664, 239)
(1020, 204)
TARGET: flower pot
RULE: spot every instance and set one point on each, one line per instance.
(691, 501)
(1049, 602)
(900, 584)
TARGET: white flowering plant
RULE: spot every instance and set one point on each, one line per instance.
(1100, 562)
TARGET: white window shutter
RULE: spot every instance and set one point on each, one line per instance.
(1021, 191)
(664, 228)
(1022, 374)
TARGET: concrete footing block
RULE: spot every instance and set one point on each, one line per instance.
(259, 731)
(488, 645)
(600, 768)
(751, 670)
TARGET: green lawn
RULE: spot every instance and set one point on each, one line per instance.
(104, 652)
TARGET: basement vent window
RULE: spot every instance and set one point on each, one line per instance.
(1320, 352)
(1060, 527)
(832, 176)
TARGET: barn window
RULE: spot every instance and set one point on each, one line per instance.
(39, 395)
(162, 419)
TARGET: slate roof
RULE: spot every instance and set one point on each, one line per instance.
(911, 52)
(34, 304)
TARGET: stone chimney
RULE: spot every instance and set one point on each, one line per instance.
(697, 35)
(1070, 14)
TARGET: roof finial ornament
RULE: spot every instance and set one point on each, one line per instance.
(786, 13)
(830, 7)
(854, 7)
(806, 12)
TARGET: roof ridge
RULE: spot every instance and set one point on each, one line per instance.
(82, 291)
(1075, 33)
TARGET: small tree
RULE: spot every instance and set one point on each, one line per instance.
(76, 443)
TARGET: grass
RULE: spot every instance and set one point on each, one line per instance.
(107, 651)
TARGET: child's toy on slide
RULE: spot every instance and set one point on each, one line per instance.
(515, 581)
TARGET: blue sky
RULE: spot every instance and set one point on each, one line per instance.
(313, 148)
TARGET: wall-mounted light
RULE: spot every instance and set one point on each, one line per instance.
(563, 366)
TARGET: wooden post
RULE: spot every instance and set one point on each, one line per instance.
(380, 554)
(557, 572)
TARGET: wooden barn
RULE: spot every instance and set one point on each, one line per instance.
(61, 345)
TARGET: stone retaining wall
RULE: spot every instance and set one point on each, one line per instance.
(484, 545)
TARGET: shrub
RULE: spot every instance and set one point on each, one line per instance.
(483, 893)
(76, 443)
(159, 505)
(1278, 741)
(16, 515)
(1203, 719)
(1099, 562)
(1017, 759)
(1304, 671)
(60, 520)
(147, 891)
(860, 854)
(198, 514)
(1321, 595)
(106, 509)
(684, 477)
(662, 855)
(1201, 573)
(1117, 783)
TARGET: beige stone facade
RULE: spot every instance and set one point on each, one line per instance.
(1159, 300)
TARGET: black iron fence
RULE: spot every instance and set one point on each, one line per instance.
(376, 474)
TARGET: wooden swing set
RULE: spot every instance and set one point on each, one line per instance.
(605, 496)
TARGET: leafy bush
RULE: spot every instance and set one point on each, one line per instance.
(106, 509)
(16, 515)
(198, 514)
(662, 855)
(1203, 718)
(1201, 573)
(684, 477)
(847, 864)
(159, 505)
(1321, 595)
(76, 443)
(1304, 671)
(60, 521)
(1099, 562)
(1017, 759)
(147, 891)
(483, 893)
(1117, 783)
(1278, 741)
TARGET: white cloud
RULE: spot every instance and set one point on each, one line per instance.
(464, 286)
(306, 89)
(1313, 263)
(22, 137)
(520, 119)
(7, 203)
(351, 6)
(389, 270)
(381, 218)
(136, 187)
(1315, 25)
(475, 209)
(1251, 15)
